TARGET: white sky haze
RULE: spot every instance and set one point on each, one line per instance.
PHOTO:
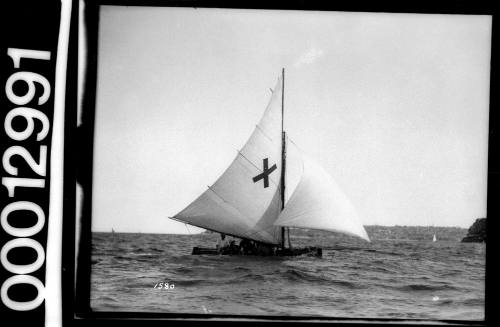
(394, 106)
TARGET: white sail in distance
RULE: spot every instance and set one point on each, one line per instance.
(317, 202)
(245, 200)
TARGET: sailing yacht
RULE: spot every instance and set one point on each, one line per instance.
(249, 201)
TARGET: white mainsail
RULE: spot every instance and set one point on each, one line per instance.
(318, 202)
(245, 200)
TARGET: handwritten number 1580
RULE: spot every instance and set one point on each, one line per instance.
(163, 285)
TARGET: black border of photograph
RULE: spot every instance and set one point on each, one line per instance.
(79, 158)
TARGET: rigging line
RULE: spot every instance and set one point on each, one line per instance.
(241, 154)
(290, 140)
(210, 188)
(187, 228)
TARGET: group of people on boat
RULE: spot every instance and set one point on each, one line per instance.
(245, 247)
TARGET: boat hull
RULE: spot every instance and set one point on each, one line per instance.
(310, 250)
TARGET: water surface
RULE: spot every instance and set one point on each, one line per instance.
(400, 274)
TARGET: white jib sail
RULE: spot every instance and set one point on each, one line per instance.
(245, 200)
(318, 202)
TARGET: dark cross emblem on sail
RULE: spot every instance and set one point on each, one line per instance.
(265, 174)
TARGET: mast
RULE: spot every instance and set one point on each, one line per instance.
(283, 152)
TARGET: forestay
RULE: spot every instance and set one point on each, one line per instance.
(245, 200)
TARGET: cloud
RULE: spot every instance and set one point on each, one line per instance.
(309, 57)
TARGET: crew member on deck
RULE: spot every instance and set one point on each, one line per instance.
(233, 248)
(264, 249)
(246, 246)
(222, 243)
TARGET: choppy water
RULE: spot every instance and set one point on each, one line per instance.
(400, 274)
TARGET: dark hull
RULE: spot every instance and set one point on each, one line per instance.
(310, 250)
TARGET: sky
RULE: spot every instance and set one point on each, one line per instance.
(394, 106)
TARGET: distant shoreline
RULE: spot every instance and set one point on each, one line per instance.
(371, 228)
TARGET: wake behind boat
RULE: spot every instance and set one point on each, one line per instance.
(249, 201)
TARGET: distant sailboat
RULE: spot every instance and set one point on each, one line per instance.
(434, 238)
(248, 200)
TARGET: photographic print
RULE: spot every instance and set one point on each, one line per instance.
(290, 163)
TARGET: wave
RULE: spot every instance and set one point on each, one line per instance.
(183, 270)
(342, 248)
(189, 282)
(146, 257)
(296, 276)
(425, 287)
(383, 252)
(245, 278)
(347, 284)
(382, 270)
(473, 302)
(380, 279)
